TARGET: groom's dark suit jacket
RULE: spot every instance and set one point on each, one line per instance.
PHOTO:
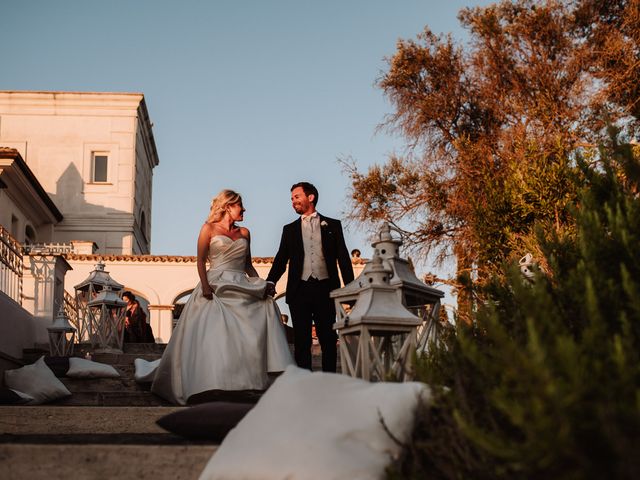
(292, 250)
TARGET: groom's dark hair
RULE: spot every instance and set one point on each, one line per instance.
(308, 189)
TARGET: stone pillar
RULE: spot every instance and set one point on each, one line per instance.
(161, 321)
(43, 290)
(82, 247)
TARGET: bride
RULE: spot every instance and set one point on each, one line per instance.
(229, 334)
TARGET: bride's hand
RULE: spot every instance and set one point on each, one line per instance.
(207, 293)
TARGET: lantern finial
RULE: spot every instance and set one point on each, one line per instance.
(385, 245)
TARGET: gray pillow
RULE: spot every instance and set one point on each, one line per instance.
(81, 368)
(207, 421)
(13, 397)
(36, 380)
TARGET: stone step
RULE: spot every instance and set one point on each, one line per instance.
(122, 384)
(51, 442)
(51, 419)
(145, 348)
(127, 371)
(117, 359)
(148, 351)
(130, 347)
(100, 461)
(30, 355)
(111, 399)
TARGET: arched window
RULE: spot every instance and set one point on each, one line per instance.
(284, 308)
(286, 318)
(144, 302)
(178, 306)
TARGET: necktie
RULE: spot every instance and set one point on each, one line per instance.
(309, 222)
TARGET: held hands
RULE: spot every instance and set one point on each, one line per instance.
(271, 289)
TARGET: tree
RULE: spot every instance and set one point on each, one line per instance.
(492, 129)
(612, 33)
(545, 382)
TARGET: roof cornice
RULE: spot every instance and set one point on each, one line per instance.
(12, 158)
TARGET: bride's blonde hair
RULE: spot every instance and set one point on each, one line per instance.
(220, 203)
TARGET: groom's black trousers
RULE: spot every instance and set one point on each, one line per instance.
(312, 305)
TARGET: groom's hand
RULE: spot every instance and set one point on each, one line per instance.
(271, 289)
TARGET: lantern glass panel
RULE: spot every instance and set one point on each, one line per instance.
(61, 343)
(108, 326)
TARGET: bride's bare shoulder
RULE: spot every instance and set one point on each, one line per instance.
(207, 229)
(245, 232)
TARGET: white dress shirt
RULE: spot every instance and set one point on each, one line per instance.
(314, 264)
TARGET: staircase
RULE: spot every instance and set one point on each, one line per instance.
(105, 429)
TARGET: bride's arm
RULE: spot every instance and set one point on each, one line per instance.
(248, 264)
(203, 253)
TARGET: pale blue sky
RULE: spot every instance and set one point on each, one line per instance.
(249, 95)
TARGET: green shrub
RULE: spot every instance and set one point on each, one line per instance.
(545, 383)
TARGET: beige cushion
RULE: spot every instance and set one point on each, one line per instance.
(38, 381)
(145, 370)
(82, 368)
(318, 425)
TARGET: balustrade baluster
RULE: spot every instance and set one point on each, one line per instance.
(11, 264)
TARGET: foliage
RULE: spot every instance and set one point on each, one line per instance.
(545, 383)
(492, 128)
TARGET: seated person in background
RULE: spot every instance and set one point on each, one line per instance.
(137, 330)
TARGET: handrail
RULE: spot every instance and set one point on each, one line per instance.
(11, 266)
(48, 248)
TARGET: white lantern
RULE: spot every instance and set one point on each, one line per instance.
(107, 313)
(87, 291)
(61, 336)
(378, 336)
(421, 299)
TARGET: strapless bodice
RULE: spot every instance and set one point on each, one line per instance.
(227, 261)
(227, 254)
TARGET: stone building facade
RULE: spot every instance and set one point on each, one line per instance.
(94, 155)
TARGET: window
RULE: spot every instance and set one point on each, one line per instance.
(29, 235)
(99, 167)
(14, 226)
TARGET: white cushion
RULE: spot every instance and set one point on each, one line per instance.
(27, 399)
(37, 381)
(82, 368)
(318, 425)
(145, 370)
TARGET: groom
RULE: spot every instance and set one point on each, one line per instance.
(313, 245)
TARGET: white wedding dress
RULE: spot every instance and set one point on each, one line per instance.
(228, 343)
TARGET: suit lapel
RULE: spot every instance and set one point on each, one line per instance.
(324, 237)
(297, 235)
